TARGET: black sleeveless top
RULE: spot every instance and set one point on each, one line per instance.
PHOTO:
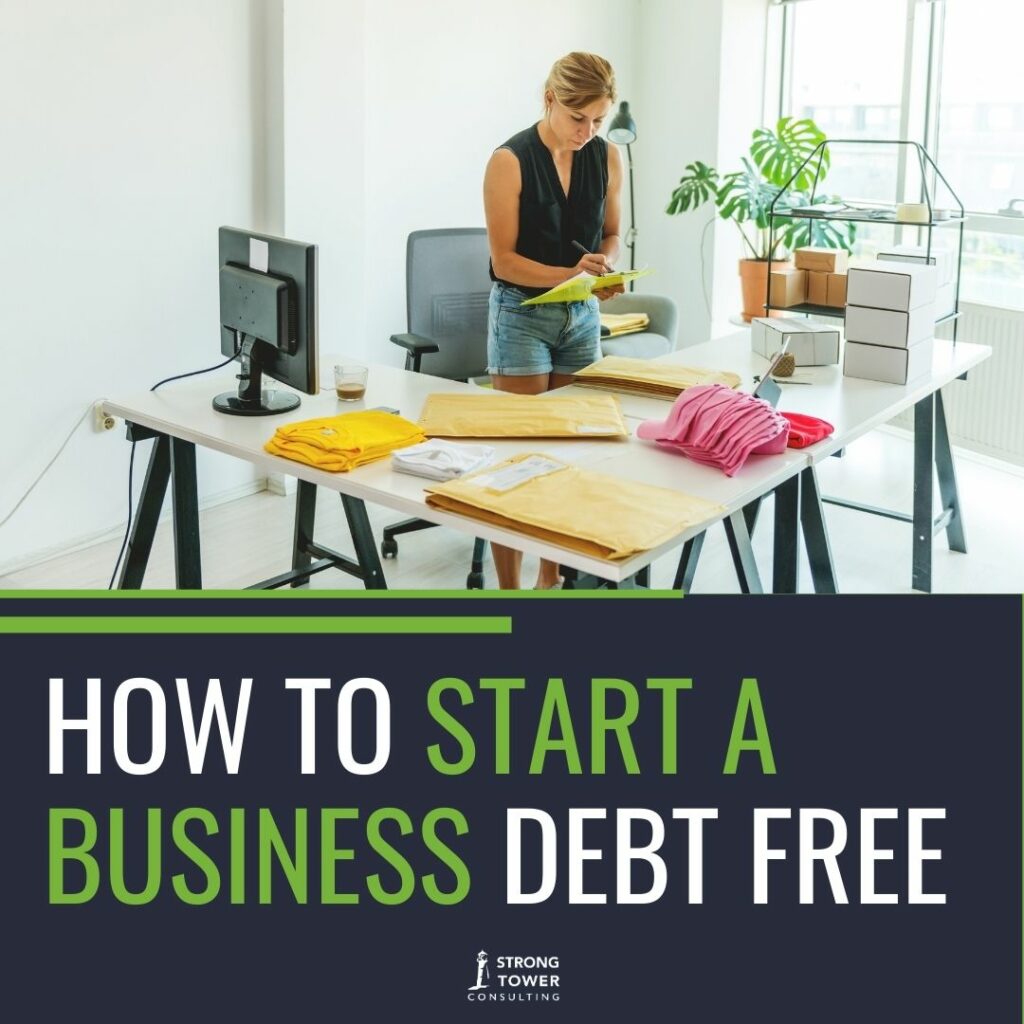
(549, 222)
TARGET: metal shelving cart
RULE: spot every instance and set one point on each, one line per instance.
(931, 435)
(881, 215)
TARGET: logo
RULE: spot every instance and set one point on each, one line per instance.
(533, 978)
(482, 971)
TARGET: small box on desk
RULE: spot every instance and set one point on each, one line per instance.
(835, 294)
(810, 344)
(787, 287)
(886, 364)
(817, 287)
(899, 286)
(818, 257)
(889, 327)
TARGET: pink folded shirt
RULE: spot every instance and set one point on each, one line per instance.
(718, 426)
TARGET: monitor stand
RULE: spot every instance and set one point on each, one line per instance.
(251, 399)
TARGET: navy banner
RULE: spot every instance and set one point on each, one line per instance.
(618, 807)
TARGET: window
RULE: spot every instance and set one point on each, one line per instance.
(981, 103)
(942, 72)
(850, 99)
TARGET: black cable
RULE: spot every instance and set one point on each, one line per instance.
(195, 373)
(131, 461)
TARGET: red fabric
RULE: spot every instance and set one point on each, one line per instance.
(805, 430)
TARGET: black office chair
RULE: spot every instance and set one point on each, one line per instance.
(447, 288)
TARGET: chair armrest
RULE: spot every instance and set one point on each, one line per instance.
(415, 343)
(416, 346)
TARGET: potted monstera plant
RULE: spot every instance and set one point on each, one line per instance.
(745, 197)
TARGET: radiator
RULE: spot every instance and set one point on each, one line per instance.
(986, 412)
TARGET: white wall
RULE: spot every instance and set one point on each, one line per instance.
(391, 109)
(676, 110)
(740, 111)
(325, 160)
(130, 132)
(446, 83)
(140, 126)
(700, 65)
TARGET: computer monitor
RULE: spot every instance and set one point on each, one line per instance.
(268, 316)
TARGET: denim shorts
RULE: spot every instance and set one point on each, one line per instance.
(554, 337)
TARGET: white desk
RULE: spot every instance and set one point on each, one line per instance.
(853, 407)
(180, 415)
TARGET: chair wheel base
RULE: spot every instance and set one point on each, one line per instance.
(389, 547)
(475, 581)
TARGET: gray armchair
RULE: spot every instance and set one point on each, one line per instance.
(659, 338)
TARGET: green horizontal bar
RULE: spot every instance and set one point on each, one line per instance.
(286, 594)
(255, 624)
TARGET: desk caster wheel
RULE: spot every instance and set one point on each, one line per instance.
(389, 547)
(475, 581)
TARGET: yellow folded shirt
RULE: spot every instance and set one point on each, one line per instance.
(340, 443)
(600, 515)
(646, 377)
(505, 415)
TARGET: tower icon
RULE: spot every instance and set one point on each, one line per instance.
(482, 971)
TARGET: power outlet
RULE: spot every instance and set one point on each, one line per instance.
(102, 420)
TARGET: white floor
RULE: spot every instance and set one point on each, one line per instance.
(249, 539)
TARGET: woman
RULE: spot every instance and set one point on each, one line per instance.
(551, 197)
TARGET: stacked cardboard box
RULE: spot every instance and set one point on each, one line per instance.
(944, 261)
(826, 274)
(890, 321)
(787, 287)
(810, 344)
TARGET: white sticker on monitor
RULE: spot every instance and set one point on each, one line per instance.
(259, 255)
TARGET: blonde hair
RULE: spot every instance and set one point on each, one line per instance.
(578, 79)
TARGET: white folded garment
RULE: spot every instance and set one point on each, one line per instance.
(441, 460)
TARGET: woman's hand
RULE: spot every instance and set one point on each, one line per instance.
(595, 263)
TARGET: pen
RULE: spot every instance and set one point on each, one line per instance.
(587, 252)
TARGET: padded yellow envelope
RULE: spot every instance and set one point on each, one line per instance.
(587, 511)
(645, 377)
(615, 324)
(505, 415)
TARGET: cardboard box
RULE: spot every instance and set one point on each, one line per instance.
(944, 262)
(817, 257)
(894, 328)
(901, 286)
(787, 287)
(889, 365)
(835, 293)
(817, 287)
(811, 344)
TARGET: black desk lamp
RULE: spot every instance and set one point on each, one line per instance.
(622, 131)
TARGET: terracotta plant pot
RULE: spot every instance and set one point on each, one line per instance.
(754, 284)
